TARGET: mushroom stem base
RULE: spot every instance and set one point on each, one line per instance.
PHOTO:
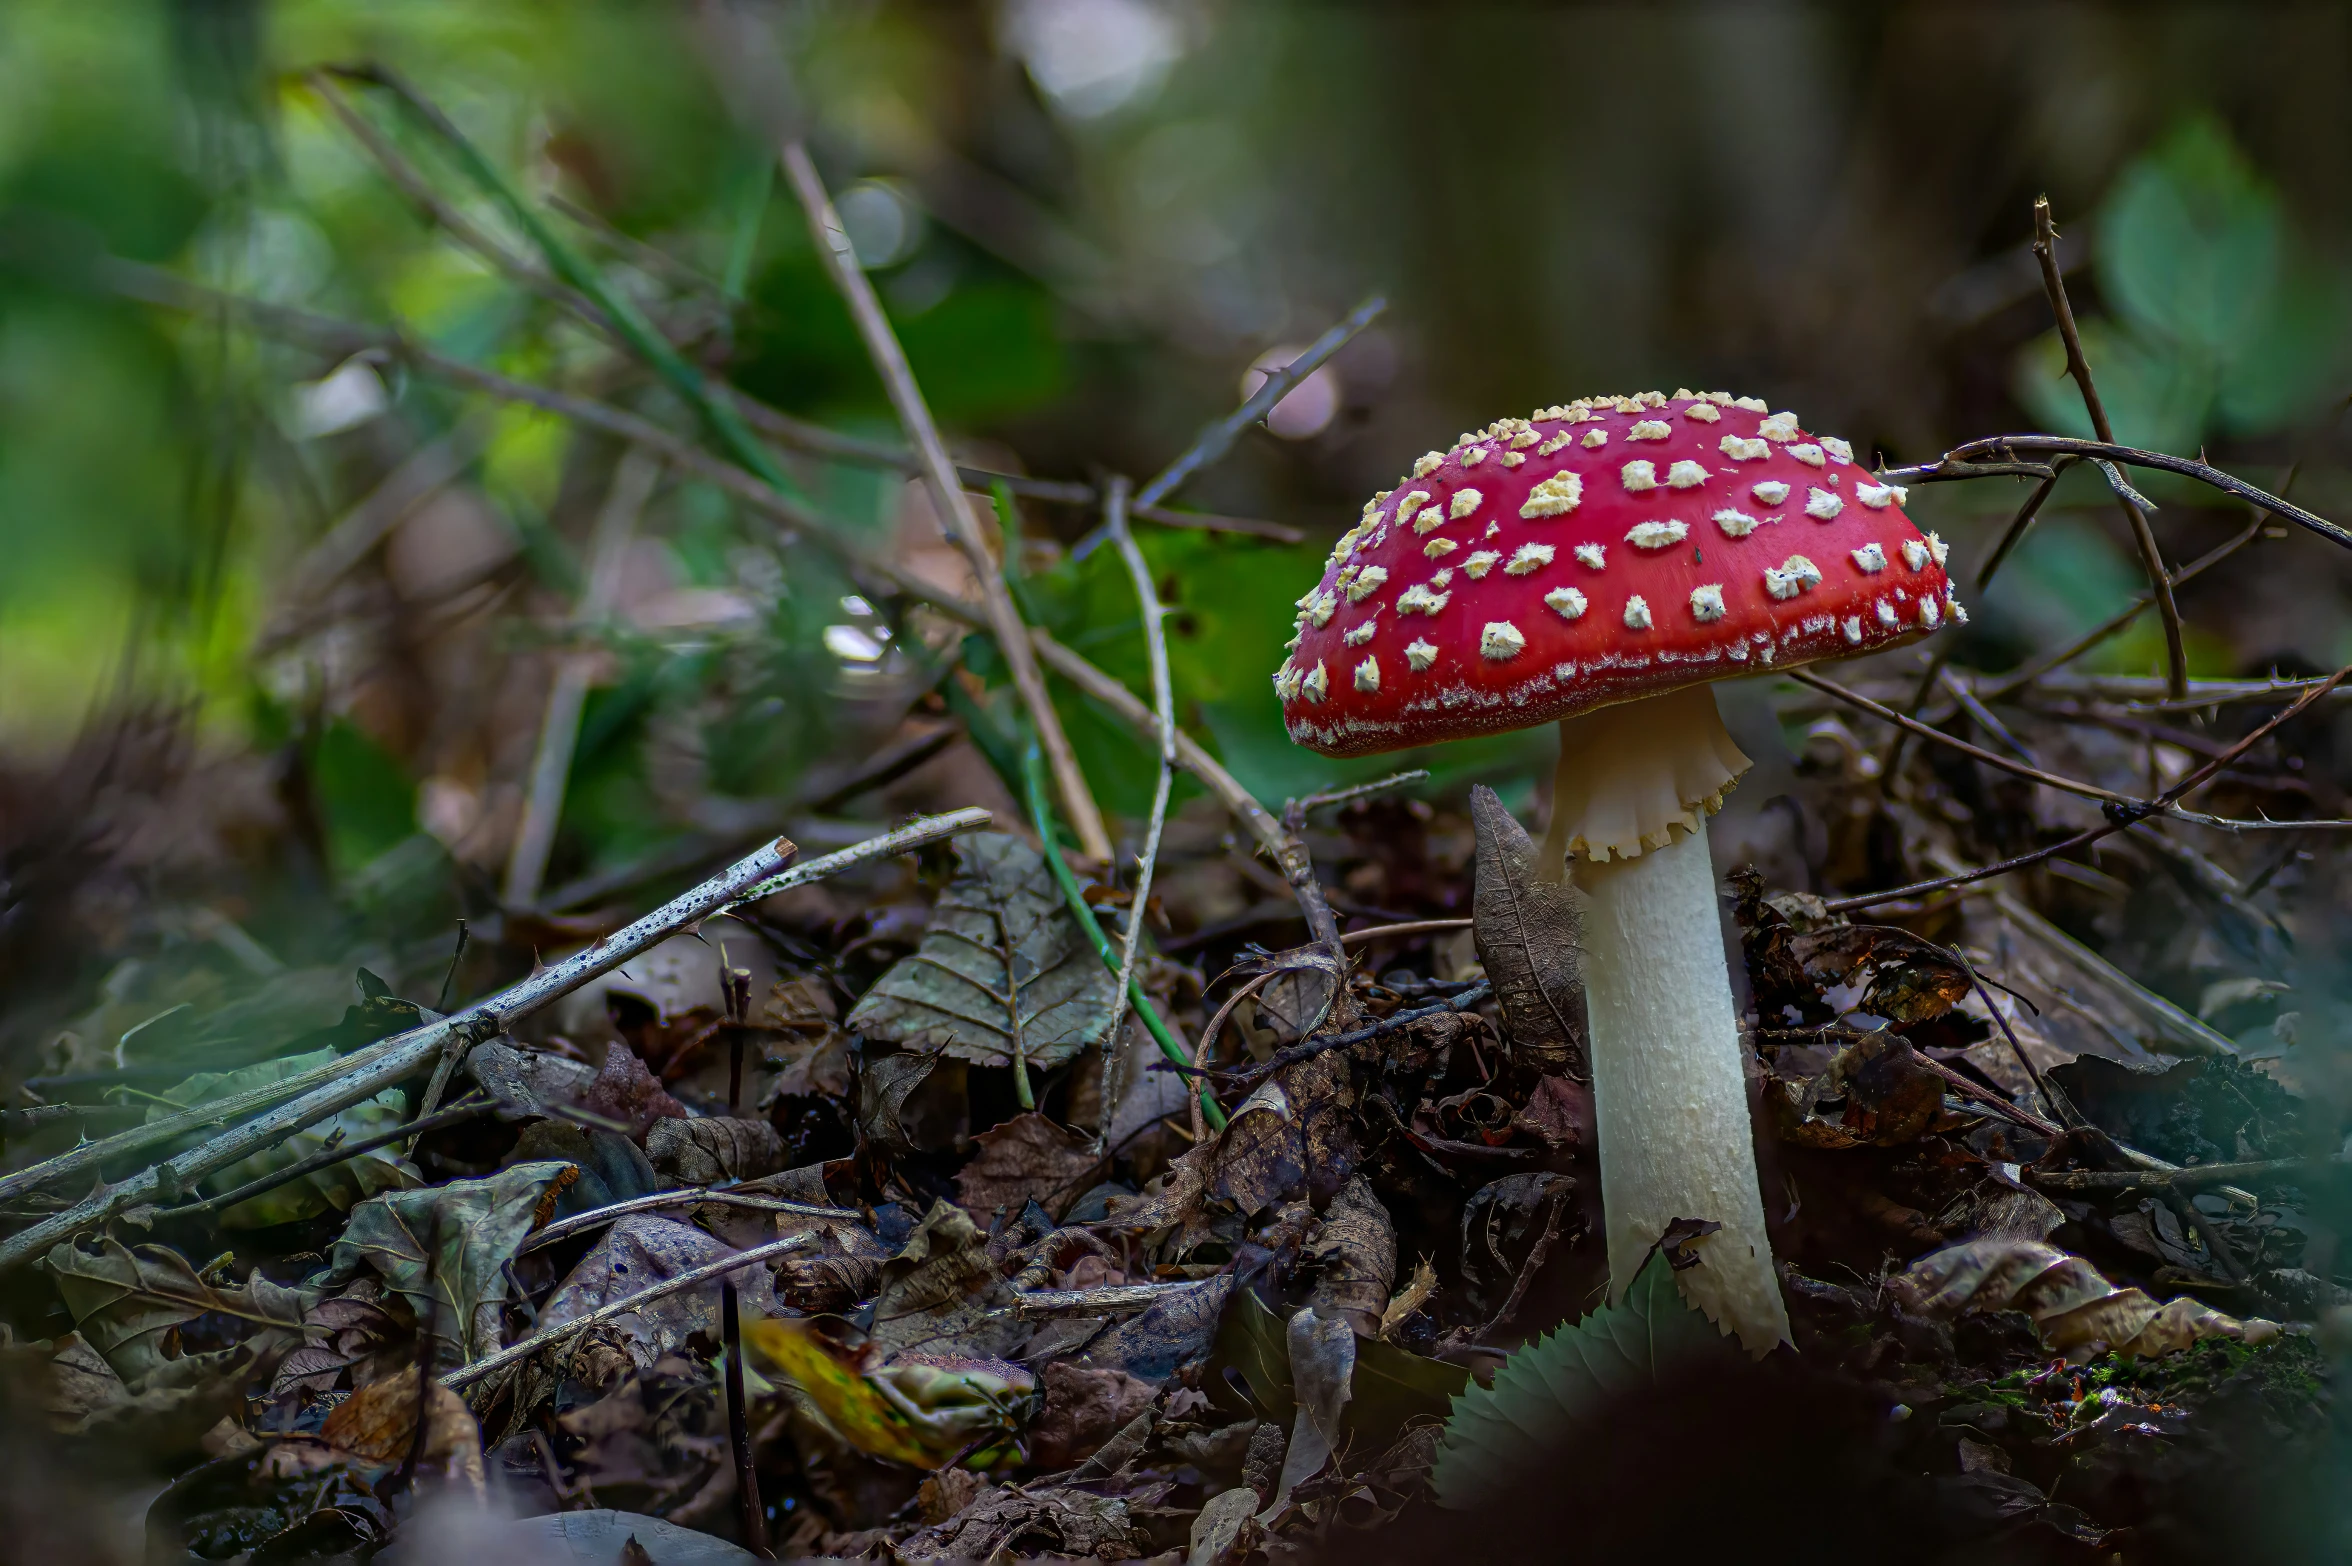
(1669, 1092)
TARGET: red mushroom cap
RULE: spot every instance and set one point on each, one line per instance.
(1596, 553)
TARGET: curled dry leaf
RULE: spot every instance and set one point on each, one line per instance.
(639, 1251)
(1530, 939)
(704, 1152)
(1875, 1092)
(1082, 1409)
(1028, 1158)
(378, 1425)
(942, 1295)
(1410, 1298)
(625, 1091)
(1002, 967)
(127, 1300)
(2074, 1308)
(919, 1410)
(1354, 1257)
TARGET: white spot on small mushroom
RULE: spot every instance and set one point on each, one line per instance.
(1886, 613)
(1492, 528)
(1938, 548)
(1528, 558)
(1317, 684)
(1650, 429)
(1735, 524)
(1791, 577)
(1464, 502)
(1838, 450)
(1428, 463)
(1512, 459)
(1780, 429)
(1286, 681)
(1368, 675)
(1880, 496)
(1438, 547)
(1557, 441)
(1527, 436)
(1367, 583)
(1555, 496)
(1418, 599)
(1771, 492)
(1853, 629)
(1474, 456)
(1594, 555)
(1638, 476)
(1326, 605)
(1702, 413)
(1419, 655)
(1822, 506)
(1480, 563)
(1657, 535)
(1915, 553)
(1952, 602)
(1741, 449)
(1566, 602)
(1593, 440)
(1500, 639)
(1685, 474)
(1440, 579)
(1808, 453)
(1752, 404)
(1626, 404)
(1739, 652)
(1870, 559)
(1361, 634)
(1931, 613)
(1707, 603)
(1414, 500)
(1637, 614)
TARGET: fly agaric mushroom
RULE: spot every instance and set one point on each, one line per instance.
(1597, 565)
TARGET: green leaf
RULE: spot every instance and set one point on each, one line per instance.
(334, 1187)
(2191, 243)
(1547, 1386)
(1392, 1386)
(445, 1248)
(1002, 956)
(126, 1301)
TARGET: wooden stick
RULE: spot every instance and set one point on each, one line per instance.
(947, 495)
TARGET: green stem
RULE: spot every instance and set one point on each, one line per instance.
(630, 322)
(1041, 816)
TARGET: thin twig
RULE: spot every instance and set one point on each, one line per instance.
(547, 1337)
(567, 696)
(1886, 714)
(750, 1508)
(334, 1087)
(1310, 1048)
(2045, 249)
(947, 495)
(341, 1152)
(2195, 1177)
(1382, 932)
(2119, 817)
(1208, 1038)
(2015, 532)
(1155, 638)
(1108, 1299)
(690, 1196)
(1955, 464)
(1295, 812)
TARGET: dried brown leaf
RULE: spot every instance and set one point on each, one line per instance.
(704, 1152)
(1354, 1257)
(1027, 1158)
(2074, 1308)
(942, 1295)
(1084, 1408)
(1530, 939)
(378, 1425)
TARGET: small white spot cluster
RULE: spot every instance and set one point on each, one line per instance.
(1464, 502)
(1368, 675)
(1637, 614)
(1780, 428)
(1685, 474)
(1638, 476)
(1427, 463)
(1650, 429)
(1735, 524)
(1770, 492)
(1317, 684)
(1566, 602)
(1361, 634)
(1870, 559)
(1822, 506)
(1500, 639)
(1593, 555)
(1741, 449)
(1702, 413)
(1554, 497)
(1419, 655)
(1418, 599)
(1915, 554)
(1880, 496)
(1479, 564)
(1367, 582)
(1808, 453)
(1707, 603)
(1528, 559)
(1437, 547)
(1593, 440)
(1657, 535)
(1791, 577)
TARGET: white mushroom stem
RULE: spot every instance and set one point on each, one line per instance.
(1635, 786)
